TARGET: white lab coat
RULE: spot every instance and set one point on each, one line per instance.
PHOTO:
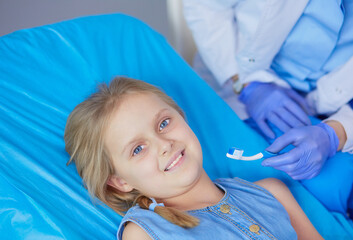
(243, 37)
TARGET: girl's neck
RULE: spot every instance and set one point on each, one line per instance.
(204, 193)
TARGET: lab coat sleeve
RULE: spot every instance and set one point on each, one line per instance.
(345, 115)
(266, 75)
(333, 90)
(214, 31)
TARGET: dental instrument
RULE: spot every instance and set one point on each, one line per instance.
(237, 154)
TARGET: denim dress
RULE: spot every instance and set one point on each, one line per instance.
(246, 211)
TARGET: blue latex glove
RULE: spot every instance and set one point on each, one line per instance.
(313, 146)
(281, 106)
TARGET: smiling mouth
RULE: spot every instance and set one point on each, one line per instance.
(175, 161)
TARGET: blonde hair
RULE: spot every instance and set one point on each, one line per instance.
(84, 141)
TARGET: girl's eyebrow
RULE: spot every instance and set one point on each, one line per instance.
(155, 118)
(158, 115)
(127, 146)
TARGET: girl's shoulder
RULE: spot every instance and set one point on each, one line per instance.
(134, 231)
(148, 221)
(133, 215)
(238, 186)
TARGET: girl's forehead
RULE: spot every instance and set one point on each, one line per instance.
(137, 108)
(148, 102)
(141, 99)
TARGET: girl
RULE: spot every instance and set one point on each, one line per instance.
(135, 152)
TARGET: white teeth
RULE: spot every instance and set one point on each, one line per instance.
(174, 162)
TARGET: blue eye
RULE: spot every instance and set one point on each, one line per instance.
(164, 124)
(137, 150)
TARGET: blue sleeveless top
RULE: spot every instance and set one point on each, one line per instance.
(247, 211)
(321, 41)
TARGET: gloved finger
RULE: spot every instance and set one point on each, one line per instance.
(311, 171)
(285, 162)
(306, 175)
(314, 174)
(287, 168)
(282, 142)
(278, 122)
(300, 100)
(265, 128)
(302, 171)
(298, 112)
(291, 120)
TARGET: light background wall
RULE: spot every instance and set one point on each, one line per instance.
(165, 16)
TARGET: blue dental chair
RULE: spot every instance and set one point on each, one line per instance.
(46, 71)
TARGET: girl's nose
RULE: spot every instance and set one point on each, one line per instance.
(165, 145)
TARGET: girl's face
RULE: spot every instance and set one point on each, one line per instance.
(153, 148)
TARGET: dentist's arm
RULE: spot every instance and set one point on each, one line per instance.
(340, 132)
(342, 123)
(214, 30)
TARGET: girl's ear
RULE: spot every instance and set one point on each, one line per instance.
(119, 183)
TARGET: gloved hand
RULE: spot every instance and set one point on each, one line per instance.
(313, 145)
(281, 106)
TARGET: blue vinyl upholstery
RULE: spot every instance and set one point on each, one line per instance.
(46, 71)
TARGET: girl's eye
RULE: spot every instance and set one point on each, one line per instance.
(164, 124)
(137, 150)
